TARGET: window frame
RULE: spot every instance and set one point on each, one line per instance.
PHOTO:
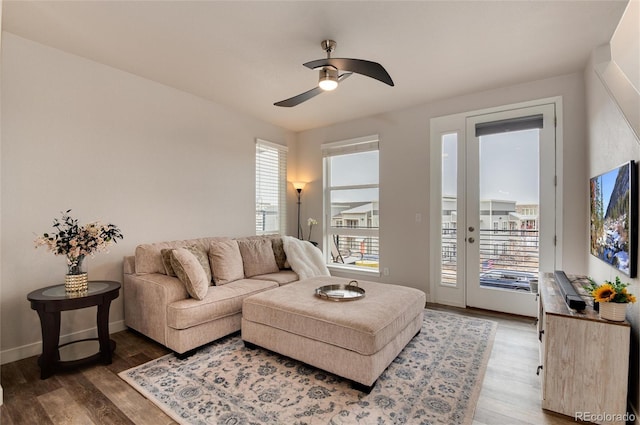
(282, 152)
(345, 147)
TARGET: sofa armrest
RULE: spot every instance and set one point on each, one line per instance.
(146, 297)
(129, 264)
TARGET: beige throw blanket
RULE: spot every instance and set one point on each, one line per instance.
(305, 259)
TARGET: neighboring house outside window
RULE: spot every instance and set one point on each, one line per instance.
(351, 206)
(271, 188)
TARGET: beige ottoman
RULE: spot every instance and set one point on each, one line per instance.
(353, 339)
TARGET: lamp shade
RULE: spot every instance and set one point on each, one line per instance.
(298, 185)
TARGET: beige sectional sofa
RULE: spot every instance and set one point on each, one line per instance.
(166, 308)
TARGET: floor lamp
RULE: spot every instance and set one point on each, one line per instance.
(299, 186)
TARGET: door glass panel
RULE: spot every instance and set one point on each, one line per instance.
(449, 179)
(509, 209)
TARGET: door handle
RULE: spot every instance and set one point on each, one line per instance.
(471, 240)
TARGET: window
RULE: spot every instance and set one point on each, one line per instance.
(352, 223)
(351, 206)
(271, 188)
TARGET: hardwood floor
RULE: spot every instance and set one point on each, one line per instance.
(96, 395)
(510, 392)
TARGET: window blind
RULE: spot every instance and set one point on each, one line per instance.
(362, 144)
(271, 187)
(512, 124)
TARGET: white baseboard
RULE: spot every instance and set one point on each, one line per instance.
(29, 350)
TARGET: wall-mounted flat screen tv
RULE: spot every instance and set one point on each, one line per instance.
(614, 217)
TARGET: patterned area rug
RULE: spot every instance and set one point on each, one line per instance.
(436, 379)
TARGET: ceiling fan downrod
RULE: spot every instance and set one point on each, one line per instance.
(329, 46)
(328, 78)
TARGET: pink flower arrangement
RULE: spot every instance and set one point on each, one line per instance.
(76, 242)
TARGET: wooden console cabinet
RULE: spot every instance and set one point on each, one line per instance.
(584, 359)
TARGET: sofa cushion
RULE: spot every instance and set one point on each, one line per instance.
(281, 278)
(220, 301)
(226, 261)
(149, 257)
(190, 272)
(278, 248)
(257, 256)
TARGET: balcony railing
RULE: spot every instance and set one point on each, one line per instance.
(499, 249)
(510, 249)
(362, 251)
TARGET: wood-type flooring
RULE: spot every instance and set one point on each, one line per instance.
(96, 395)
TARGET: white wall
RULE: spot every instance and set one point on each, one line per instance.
(404, 175)
(611, 141)
(1, 7)
(625, 43)
(159, 163)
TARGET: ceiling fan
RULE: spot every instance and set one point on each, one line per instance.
(334, 70)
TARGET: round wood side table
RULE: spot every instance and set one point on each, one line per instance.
(52, 300)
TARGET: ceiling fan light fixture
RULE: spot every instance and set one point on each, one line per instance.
(328, 79)
(333, 71)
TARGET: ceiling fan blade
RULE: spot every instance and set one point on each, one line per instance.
(359, 66)
(303, 97)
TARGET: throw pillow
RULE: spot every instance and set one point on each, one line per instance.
(203, 259)
(190, 272)
(166, 261)
(278, 252)
(258, 257)
(226, 261)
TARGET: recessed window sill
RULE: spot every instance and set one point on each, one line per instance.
(362, 271)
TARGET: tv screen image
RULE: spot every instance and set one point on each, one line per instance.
(614, 217)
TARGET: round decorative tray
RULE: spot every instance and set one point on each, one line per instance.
(341, 292)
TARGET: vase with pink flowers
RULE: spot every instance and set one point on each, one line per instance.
(75, 242)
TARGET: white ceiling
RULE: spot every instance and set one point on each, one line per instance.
(248, 55)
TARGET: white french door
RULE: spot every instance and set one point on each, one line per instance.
(493, 207)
